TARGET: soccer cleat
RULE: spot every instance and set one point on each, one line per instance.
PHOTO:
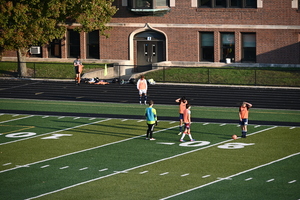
(147, 138)
(152, 139)
(193, 140)
(181, 140)
(179, 133)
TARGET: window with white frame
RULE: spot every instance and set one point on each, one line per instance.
(150, 7)
(148, 4)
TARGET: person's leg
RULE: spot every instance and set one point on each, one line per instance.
(148, 131)
(151, 131)
(180, 123)
(145, 98)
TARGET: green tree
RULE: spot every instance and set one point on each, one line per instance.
(24, 23)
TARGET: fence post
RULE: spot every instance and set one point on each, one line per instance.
(34, 70)
(208, 76)
(255, 77)
(164, 78)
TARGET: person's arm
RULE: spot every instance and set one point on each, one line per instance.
(146, 83)
(249, 105)
(137, 84)
(240, 116)
(177, 100)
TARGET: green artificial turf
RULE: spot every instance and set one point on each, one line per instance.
(133, 109)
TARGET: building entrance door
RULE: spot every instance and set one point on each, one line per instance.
(148, 53)
(150, 48)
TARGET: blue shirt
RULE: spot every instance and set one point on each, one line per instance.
(151, 115)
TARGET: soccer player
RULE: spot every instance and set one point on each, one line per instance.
(187, 123)
(243, 115)
(151, 118)
(142, 86)
(78, 69)
(182, 106)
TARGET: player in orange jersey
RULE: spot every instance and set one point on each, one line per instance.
(78, 69)
(243, 115)
(187, 123)
(142, 86)
(182, 106)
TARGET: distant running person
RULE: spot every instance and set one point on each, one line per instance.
(182, 106)
(243, 115)
(151, 118)
(142, 86)
(187, 123)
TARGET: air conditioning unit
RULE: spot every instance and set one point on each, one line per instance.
(35, 50)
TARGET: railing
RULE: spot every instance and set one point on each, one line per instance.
(45, 70)
(267, 76)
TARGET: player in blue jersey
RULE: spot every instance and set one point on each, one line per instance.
(151, 118)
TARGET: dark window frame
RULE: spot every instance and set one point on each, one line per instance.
(207, 49)
(248, 49)
(226, 4)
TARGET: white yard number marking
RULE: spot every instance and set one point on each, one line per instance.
(194, 144)
(236, 145)
(20, 135)
(28, 134)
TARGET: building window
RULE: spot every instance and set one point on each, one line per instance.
(248, 47)
(149, 4)
(227, 3)
(149, 7)
(54, 49)
(227, 46)
(93, 44)
(207, 46)
(73, 41)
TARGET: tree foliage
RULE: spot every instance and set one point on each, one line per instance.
(24, 23)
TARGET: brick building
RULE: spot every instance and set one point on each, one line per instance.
(181, 31)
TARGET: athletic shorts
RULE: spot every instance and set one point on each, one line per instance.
(76, 69)
(244, 122)
(180, 116)
(187, 125)
(142, 92)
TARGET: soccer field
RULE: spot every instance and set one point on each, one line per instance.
(71, 157)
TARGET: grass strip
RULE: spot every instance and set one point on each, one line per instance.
(134, 109)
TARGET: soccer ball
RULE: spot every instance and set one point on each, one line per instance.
(234, 137)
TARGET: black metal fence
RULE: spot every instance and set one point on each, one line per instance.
(267, 76)
(46, 70)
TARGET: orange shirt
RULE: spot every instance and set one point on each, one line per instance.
(182, 106)
(244, 112)
(186, 116)
(142, 84)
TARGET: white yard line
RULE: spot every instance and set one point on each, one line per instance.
(85, 149)
(16, 119)
(66, 129)
(243, 172)
(133, 168)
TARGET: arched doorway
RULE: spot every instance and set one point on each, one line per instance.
(150, 48)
